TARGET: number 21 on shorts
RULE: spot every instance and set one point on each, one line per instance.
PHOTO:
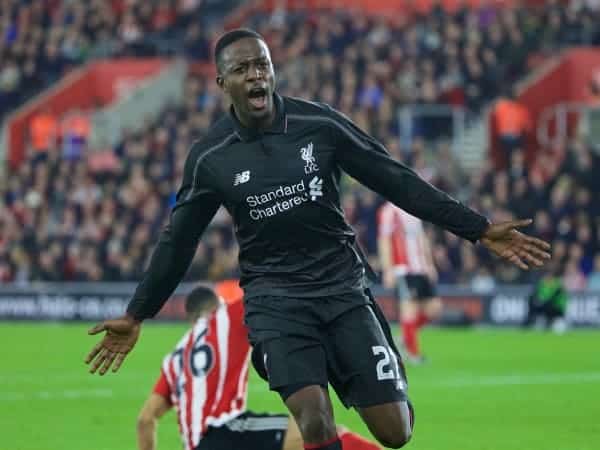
(387, 365)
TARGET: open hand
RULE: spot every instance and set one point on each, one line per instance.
(504, 240)
(121, 335)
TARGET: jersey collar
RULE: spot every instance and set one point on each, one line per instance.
(279, 125)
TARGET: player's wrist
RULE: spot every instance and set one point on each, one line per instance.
(486, 228)
(132, 319)
(486, 231)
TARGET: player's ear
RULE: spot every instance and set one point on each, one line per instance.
(220, 82)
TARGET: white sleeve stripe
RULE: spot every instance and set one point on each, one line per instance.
(223, 143)
(242, 387)
(222, 321)
(199, 390)
(167, 370)
(347, 131)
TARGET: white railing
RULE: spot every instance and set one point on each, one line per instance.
(559, 115)
(467, 132)
(3, 145)
(409, 114)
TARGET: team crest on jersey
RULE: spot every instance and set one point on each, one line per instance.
(307, 156)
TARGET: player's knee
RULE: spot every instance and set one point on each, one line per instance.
(316, 425)
(435, 308)
(397, 438)
(144, 421)
(394, 429)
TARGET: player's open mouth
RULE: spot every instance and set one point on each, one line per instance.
(258, 97)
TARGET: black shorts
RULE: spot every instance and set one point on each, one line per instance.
(249, 431)
(415, 287)
(341, 339)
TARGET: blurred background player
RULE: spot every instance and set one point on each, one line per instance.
(206, 380)
(513, 124)
(548, 303)
(407, 266)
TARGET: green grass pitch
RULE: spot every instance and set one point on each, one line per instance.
(483, 389)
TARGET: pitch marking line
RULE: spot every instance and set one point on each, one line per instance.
(457, 382)
(73, 394)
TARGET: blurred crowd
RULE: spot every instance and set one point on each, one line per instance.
(461, 58)
(558, 195)
(41, 40)
(94, 215)
(368, 67)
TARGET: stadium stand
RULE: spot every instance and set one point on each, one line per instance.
(42, 40)
(92, 216)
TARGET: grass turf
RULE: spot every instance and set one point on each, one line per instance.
(484, 389)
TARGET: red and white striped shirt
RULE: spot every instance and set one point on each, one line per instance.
(407, 240)
(206, 377)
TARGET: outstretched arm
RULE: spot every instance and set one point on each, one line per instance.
(366, 160)
(154, 408)
(196, 205)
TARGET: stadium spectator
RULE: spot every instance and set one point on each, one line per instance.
(593, 282)
(10, 80)
(512, 124)
(43, 133)
(40, 41)
(547, 304)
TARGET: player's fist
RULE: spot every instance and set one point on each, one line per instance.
(121, 335)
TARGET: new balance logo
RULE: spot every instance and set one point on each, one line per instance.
(241, 178)
(306, 153)
(315, 188)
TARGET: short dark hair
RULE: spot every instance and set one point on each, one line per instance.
(229, 38)
(200, 300)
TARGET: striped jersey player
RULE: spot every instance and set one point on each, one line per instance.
(407, 241)
(205, 378)
(408, 267)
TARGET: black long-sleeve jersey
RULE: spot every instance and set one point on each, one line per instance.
(281, 187)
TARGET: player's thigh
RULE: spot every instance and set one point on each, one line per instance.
(294, 361)
(364, 369)
(285, 351)
(249, 431)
